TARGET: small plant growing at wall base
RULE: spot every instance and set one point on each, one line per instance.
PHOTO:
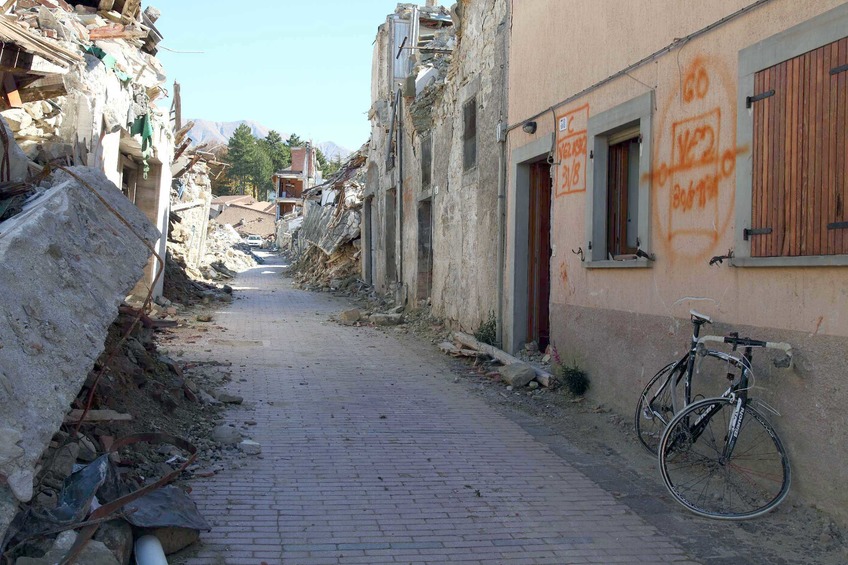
(488, 330)
(572, 378)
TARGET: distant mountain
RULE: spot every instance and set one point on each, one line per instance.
(219, 133)
(331, 151)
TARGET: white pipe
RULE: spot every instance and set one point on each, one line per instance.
(148, 551)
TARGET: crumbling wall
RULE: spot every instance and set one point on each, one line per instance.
(328, 227)
(101, 113)
(465, 202)
(191, 200)
(454, 217)
(68, 262)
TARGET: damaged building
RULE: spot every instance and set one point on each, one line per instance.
(432, 207)
(664, 188)
(326, 237)
(84, 203)
(590, 204)
(291, 182)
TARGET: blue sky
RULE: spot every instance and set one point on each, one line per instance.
(297, 66)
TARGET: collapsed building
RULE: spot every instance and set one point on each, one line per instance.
(79, 81)
(326, 237)
(432, 206)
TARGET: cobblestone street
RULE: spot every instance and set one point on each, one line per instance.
(371, 454)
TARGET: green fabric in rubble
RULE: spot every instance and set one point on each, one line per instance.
(107, 60)
(144, 127)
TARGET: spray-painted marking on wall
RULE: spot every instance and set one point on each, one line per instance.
(571, 150)
(693, 174)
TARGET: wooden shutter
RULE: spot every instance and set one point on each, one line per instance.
(800, 170)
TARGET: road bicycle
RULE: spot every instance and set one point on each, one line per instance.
(661, 399)
(720, 457)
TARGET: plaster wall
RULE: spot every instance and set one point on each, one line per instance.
(622, 324)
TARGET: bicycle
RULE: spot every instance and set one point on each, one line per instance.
(720, 457)
(659, 401)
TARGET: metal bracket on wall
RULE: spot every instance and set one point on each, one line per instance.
(839, 69)
(749, 100)
(579, 253)
(747, 232)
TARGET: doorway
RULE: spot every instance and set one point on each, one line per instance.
(425, 249)
(391, 236)
(539, 255)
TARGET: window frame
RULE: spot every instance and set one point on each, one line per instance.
(602, 127)
(469, 138)
(804, 37)
(426, 161)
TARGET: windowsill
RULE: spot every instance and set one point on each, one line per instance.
(426, 194)
(629, 264)
(808, 261)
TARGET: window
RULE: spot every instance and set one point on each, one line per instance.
(426, 162)
(623, 197)
(792, 191)
(469, 134)
(617, 210)
(799, 185)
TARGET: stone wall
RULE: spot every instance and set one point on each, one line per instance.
(459, 207)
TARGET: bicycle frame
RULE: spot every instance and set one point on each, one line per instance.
(676, 374)
(737, 391)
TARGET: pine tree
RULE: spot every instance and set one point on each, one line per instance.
(278, 151)
(295, 141)
(241, 154)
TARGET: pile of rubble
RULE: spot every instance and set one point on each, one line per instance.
(115, 73)
(133, 389)
(225, 256)
(328, 236)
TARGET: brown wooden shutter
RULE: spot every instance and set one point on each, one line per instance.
(800, 170)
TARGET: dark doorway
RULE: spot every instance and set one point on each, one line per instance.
(539, 256)
(425, 249)
(391, 235)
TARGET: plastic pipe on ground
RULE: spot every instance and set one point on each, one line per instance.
(148, 551)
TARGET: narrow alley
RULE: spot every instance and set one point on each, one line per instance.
(371, 454)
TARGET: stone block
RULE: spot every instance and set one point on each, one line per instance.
(68, 264)
(517, 375)
(386, 319)
(350, 316)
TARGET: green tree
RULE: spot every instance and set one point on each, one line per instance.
(241, 155)
(278, 151)
(327, 168)
(261, 171)
(295, 141)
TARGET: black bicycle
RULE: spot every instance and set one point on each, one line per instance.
(720, 457)
(661, 398)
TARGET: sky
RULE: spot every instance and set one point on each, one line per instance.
(295, 66)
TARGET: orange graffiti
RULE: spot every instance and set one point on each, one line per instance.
(697, 82)
(694, 168)
(572, 150)
(563, 274)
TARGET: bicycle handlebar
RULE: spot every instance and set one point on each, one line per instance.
(746, 342)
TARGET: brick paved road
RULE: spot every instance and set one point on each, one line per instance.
(371, 454)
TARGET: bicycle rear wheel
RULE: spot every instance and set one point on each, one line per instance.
(655, 409)
(751, 481)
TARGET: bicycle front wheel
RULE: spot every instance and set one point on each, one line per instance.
(753, 479)
(655, 407)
